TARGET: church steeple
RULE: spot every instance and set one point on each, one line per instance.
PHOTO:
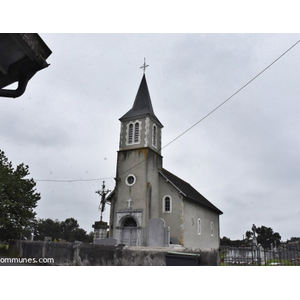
(139, 126)
(142, 105)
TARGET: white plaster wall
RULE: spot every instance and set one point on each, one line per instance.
(191, 237)
(173, 219)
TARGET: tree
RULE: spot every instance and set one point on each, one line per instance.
(18, 198)
(266, 236)
(72, 232)
(47, 227)
(69, 227)
(68, 230)
(249, 234)
(294, 239)
(225, 241)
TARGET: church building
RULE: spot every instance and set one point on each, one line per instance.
(149, 205)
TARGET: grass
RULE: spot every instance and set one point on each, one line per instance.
(3, 249)
(282, 262)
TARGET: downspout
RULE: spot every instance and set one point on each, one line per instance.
(149, 200)
(22, 84)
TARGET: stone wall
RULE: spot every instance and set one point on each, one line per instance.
(79, 254)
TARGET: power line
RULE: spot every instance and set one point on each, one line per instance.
(202, 119)
(191, 127)
(71, 180)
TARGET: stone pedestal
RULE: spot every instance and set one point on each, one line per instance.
(100, 230)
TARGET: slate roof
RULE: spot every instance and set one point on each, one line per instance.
(187, 190)
(142, 105)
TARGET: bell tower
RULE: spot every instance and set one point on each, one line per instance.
(140, 128)
(136, 194)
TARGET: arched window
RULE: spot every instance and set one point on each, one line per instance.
(154, 135)
(133, 131)
(199, 226)
(167, 204)
(212, 228)
(130, 133)
(136, 132)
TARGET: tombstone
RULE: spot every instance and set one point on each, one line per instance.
(156, 233)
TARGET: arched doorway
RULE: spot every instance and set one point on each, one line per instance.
(129, 236)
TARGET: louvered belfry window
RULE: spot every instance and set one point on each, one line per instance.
(136, 132)
(154, 136)
(130, 133)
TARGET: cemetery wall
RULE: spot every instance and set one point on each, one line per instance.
(80, 254)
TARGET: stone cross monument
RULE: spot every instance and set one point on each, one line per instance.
(100, 227)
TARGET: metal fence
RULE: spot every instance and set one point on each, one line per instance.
(258, 256)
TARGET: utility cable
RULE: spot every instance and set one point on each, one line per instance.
(71, 180)
(231, 96)
(191, 127)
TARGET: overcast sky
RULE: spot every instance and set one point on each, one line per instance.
(244, 157)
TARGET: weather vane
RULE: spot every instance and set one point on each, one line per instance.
(144, 66)
(102, 193)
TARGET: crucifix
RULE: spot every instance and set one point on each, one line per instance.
(102, 194)
(129, 204)
(144, 66)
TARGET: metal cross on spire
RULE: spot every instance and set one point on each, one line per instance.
(102, 193)
(144, 66)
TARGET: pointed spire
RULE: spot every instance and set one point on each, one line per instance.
(142, 105)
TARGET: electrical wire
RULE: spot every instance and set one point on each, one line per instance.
(211, 112)
(71, 180)
(191, 127)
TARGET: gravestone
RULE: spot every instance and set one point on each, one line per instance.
(157, 234)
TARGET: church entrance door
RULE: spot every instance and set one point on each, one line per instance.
(129, 232)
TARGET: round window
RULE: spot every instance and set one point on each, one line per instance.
(130, 180)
